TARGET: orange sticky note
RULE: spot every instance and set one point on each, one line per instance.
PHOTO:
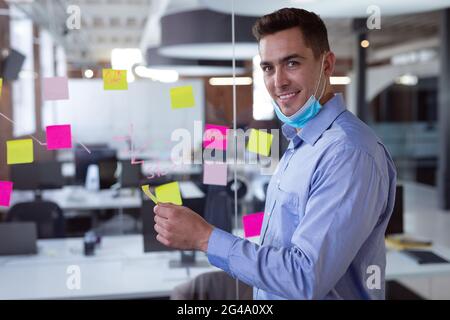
(169, 192)
(19, 151)
(182, 97)
(115, 79)
(147, 192)
(260, 142)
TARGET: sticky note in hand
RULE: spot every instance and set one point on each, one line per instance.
(169, 192)
(56, 88)
(147, 192)
(182, 97)
(215, 137)
(59, 137)
(19, 151)
(215, 173)
(115, 79)
(5, 193)
(252, 224)
(260, 142)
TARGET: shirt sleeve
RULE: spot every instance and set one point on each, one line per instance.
(347, 196)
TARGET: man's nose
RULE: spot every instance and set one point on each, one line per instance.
(281, 79)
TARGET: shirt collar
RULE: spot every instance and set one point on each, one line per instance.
(317, 125)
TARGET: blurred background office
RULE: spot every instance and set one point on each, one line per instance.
(83, 206)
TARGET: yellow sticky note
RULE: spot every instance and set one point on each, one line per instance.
(169, 192)
(260, 142)
(19, 151)
(115, 79)
(1, 86)
(182, 97)
(147, 192)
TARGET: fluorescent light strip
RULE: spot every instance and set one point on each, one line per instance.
(340, 80)
(228, 81)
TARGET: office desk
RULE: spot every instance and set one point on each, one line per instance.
(401, 266)
(78, 198)
(119, 269)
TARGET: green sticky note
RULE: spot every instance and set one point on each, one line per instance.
(169, 192)
(1, 86)
(260, 142)
(115, 79)
(19, 151)
(147, 192)
(182, 97)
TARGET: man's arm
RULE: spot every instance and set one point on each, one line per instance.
(346, 198)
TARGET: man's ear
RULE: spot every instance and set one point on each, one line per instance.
(330, 62)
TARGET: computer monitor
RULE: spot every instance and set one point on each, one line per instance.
(37, 176)
(187, 258)
(395, 224)
(12, 65)
(130, 175)
(101, 155)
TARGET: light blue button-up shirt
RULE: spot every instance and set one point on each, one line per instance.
(327, 208)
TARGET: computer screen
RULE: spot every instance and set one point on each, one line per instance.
(37, 176)
(101, 155)
(130, 175)
(12, 65)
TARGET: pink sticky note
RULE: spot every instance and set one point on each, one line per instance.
(215, 137)
(59, 137)
(215, 173)
(252, 224)
(6, 188)
(56, 88)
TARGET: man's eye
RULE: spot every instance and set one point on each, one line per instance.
(266, 68)
(292, 63)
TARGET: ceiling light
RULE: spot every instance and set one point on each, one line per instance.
(365, 43)
(228, 81)
(340, 80)
(88, 73)
(125, 59)
(407, 80)
(166, 76)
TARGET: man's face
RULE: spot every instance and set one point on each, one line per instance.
(290, 69)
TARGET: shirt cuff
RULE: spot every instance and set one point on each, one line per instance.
(219, 246)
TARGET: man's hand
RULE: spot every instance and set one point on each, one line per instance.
(181, 228)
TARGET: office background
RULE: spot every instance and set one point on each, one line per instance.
(394, 76)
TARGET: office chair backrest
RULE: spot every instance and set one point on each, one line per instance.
(47, 215)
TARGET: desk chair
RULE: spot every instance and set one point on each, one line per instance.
(47, 215)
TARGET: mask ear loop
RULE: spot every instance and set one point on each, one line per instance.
(320, 78)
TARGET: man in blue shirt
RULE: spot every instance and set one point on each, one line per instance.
(331, 197)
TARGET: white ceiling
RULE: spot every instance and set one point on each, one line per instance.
(108, 24)
(326, 8)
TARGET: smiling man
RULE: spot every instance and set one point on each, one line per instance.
(331, 197)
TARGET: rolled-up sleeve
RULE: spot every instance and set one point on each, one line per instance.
(346, 197)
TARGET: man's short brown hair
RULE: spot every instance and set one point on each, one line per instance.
(312, 27)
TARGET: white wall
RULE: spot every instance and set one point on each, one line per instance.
(97, 116)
